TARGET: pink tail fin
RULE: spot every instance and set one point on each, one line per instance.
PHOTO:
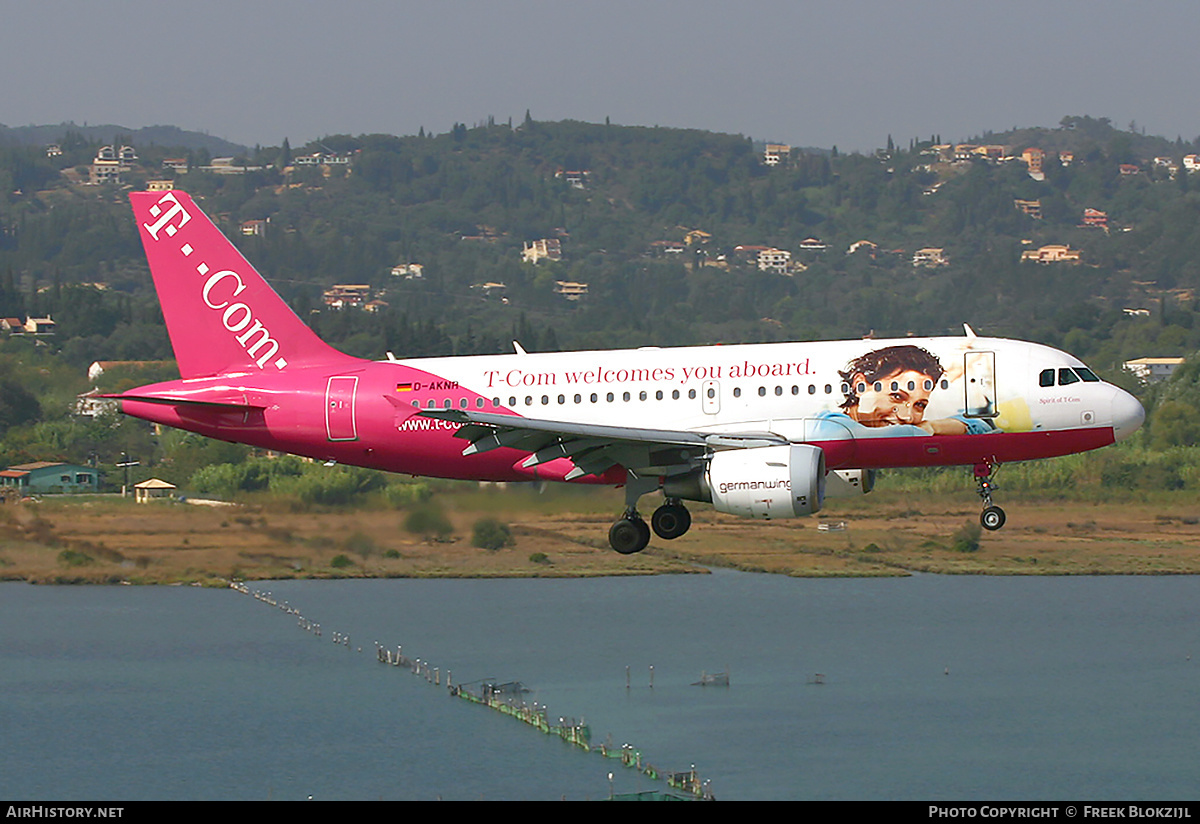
(220, 313)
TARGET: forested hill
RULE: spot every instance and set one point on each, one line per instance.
(42, 136)
(660, 224)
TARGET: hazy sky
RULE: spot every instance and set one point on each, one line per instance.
(806, 73)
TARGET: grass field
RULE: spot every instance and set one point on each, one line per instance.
(107, 540)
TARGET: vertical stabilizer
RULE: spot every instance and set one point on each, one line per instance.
(221, 314)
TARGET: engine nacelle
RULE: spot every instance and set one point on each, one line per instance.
(767, 481)
(849, 483)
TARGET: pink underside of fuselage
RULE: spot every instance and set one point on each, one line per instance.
(961, 450)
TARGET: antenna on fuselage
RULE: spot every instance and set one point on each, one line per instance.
(520, 350)
(968, 331)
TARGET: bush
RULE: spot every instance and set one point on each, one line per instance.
(341, 562)
(428, 520)
(71, 557)
(400, 494)
(491, 534)
(966, 539)
(360, 543)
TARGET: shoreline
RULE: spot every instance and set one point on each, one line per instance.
(95, 541)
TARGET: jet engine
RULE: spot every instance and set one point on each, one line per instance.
(761, 482)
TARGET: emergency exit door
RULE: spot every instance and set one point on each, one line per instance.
(339, 408)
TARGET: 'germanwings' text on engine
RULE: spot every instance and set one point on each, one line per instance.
(758, 430)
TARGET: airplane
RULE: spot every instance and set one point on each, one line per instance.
(758, 430)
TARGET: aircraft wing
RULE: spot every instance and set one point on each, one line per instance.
(594, 448)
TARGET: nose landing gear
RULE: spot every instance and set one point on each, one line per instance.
(992, 517)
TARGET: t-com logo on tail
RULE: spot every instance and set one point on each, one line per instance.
(248, 320)
(222, 316)
(176, 208)
(237, 318)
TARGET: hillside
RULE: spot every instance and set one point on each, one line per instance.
(651, 236)
(39, 136)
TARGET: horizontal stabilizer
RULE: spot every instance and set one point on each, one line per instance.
(232, 402)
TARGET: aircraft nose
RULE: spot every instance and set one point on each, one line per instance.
(1127, 414)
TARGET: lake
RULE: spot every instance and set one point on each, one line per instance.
(932, 688)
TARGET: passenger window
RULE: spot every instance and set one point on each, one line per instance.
(737, 391)
(674, 394)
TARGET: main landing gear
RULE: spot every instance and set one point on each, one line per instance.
(630, 534)
(992, 517)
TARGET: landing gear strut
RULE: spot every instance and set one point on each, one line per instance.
(630, 534)
(992, 517)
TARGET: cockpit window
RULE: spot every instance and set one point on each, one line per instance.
(1067, 375)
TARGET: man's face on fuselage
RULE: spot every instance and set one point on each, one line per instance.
(901, 399)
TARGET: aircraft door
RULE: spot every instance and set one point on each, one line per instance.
(710, 397)
(339, 408)
(979, 384)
